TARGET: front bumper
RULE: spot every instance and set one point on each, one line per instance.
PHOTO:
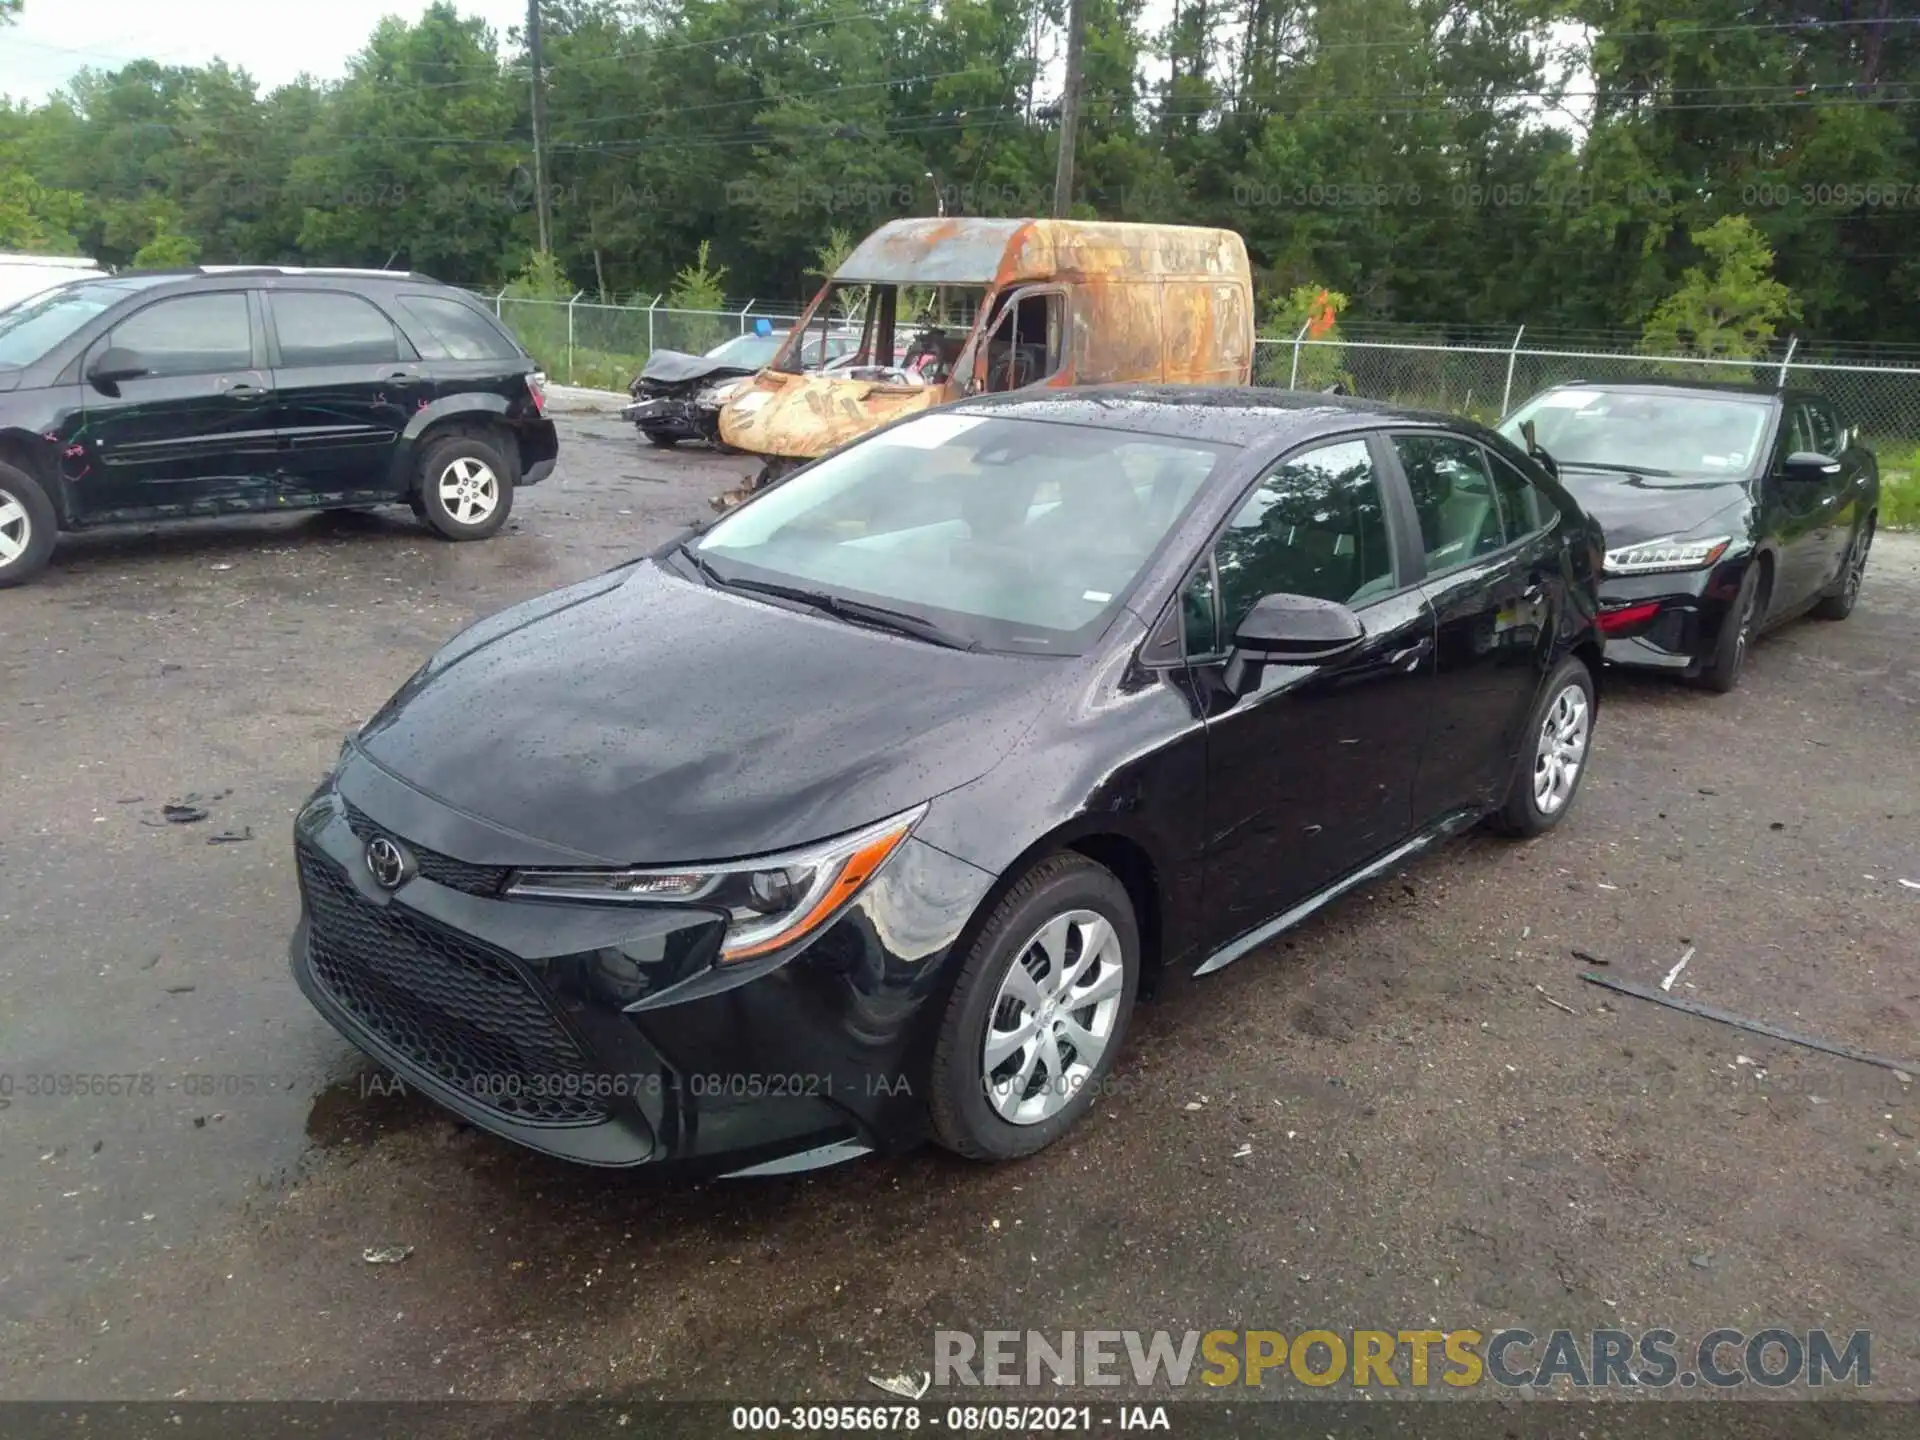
(605, 1034)
(670, 415)
(1684, 625)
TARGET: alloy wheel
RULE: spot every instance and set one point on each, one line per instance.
(1562, 749)
(1856, 567)
(1053, 1018)
(468, 490)
(16, 528)
(1744, 635)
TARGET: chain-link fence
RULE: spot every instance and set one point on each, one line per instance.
(1487, 381)
(579, 342)
(586, 343)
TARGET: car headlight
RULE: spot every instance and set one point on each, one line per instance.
(1671, 553)
(718, 394)
(770, 902)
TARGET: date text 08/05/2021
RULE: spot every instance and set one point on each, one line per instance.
(960, 1419)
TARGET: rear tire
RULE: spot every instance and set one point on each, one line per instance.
(1068, 929)
(1838, 604)
(465, 486)
(1553, 759)
(1737, 631)
(28, 527)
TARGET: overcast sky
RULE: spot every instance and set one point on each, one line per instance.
(272, 41)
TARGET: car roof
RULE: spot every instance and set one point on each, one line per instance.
(1744, 389)
(1235, 415)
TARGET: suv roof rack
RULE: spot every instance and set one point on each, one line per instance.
(303, 270)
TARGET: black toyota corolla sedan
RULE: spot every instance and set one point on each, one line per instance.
(867, 811)
(1727, 509)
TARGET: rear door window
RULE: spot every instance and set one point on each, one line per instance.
(1523, 509)
(331, 327)
(1453, 492)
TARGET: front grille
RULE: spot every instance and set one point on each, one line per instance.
(441, 869)
(460, 1011)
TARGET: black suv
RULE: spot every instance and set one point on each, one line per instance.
(223, 390)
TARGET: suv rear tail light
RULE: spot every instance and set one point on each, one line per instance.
(537, 387)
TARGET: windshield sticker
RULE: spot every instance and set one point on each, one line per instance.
(933, 431)
(1569, 399)
(1096, 597)
(1717, 462)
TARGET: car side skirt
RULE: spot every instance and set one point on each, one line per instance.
(1452, 825)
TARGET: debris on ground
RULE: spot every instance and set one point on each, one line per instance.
(231, 837)
(1243, 1152)
(1911, 884)
(1558, 1005)
(1590, 959)
(179, 989)
(903, 1384)
(1701, 1262)
(1902, 1069)
(183, 814)
(1674, 973)
(385, 1254)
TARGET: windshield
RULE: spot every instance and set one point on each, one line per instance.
(33, 327)
(754, 350)
(1016, 535)
(1688, 437)
(758, 350)
(928, 324)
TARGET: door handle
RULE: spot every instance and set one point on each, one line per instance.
(243, 390)
(1409, 659)
(401, 375)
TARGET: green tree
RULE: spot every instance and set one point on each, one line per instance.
(1730, 308)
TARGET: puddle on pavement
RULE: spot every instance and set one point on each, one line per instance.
(366, 1106)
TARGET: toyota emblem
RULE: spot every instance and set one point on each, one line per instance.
(388, 862)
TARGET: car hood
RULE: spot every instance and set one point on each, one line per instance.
(647, 719)
(1634, 508)
(673, 367)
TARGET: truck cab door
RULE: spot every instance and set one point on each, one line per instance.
(1024, 343)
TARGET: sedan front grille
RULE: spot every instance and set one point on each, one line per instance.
(462, 1012)
(441, 869)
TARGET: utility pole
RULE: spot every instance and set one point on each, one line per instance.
(1069, 109)
(537, 62)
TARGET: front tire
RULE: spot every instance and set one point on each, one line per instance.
(1737, 632)
(661, 439)
(27, 527)
(1039, 1013)
(1547, 774)
(1839, 604)
(465, 486)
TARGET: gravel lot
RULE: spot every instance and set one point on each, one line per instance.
(1433, 1145)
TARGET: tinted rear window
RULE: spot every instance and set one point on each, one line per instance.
(331, 327)
(444, 329)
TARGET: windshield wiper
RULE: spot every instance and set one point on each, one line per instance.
(901, 621)
(707, 572)
(1618, 469)
(857, 612)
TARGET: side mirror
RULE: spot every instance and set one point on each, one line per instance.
(116, 364)
(1810, 465)
(1291, 630)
